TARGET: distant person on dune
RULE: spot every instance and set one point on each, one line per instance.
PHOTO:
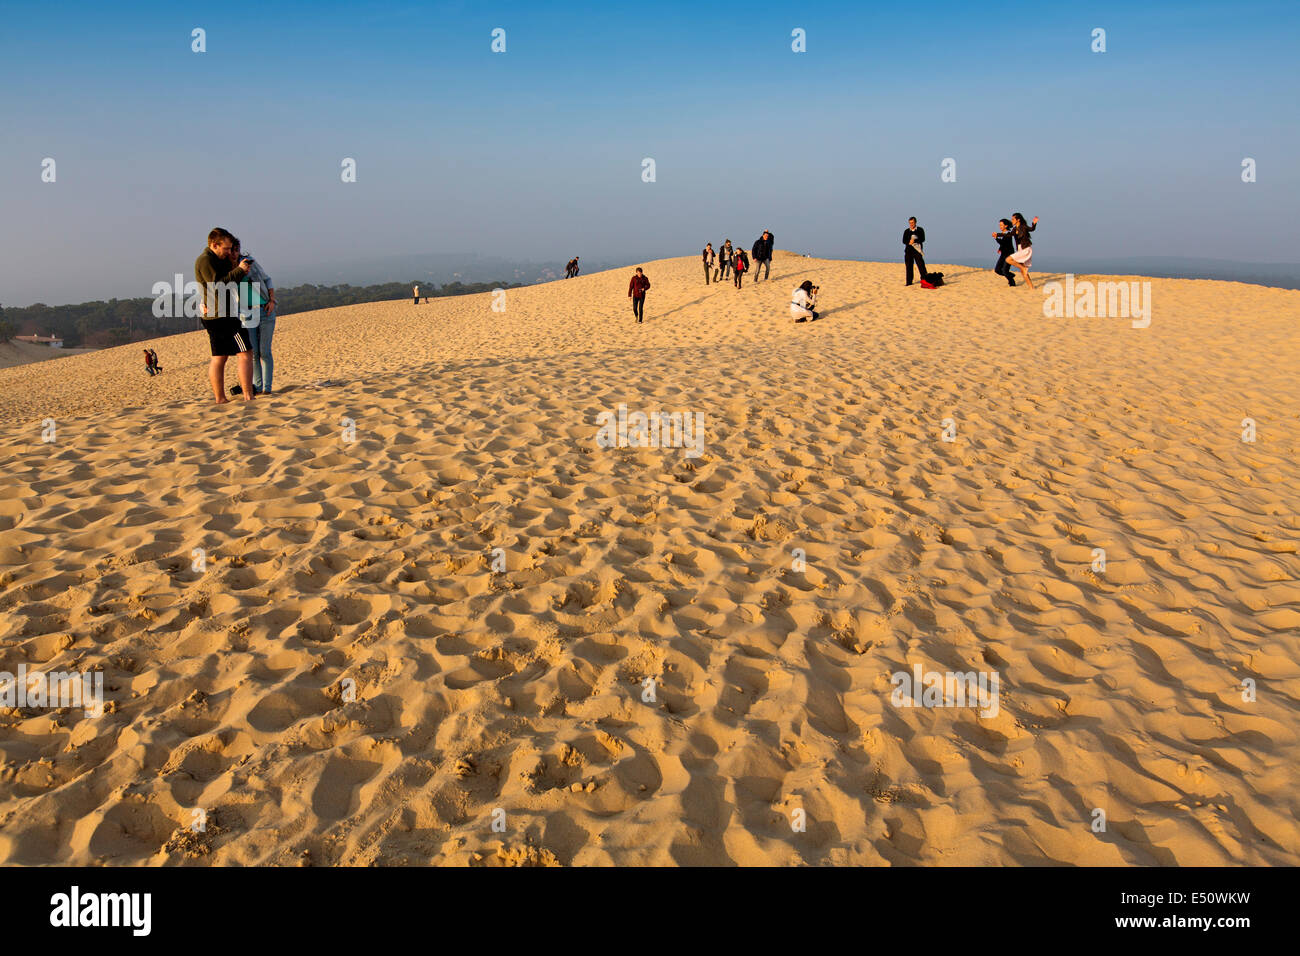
(261, 330)
(709, 256)
(151, 362)
(802, 301)
(636, 290)
(1006, 245)
(571, 269)
(763, 255)
(1023, 257)
(226, 337)
(913, 248)
(725, 258)
(740, 266)
(416, 292)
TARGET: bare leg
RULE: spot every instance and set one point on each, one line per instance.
(217, 377)
(1024, 273)
(246, 374)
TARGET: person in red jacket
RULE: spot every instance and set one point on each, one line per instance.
(740, 266)
(636, 290)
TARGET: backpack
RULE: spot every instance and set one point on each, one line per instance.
(932, 280)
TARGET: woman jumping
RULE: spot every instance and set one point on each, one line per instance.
(1023, 257)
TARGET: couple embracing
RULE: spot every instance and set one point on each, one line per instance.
(238, 314)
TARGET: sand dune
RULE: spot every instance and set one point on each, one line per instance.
(371, 562)
(24, 353)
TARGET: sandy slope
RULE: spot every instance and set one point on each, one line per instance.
(522, 690)
(24, 353)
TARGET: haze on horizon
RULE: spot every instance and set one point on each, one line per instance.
(536, 153)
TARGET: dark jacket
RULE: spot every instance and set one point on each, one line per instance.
(1006, 242)
(1022, 235)
(637, 287)
(919, 233)
(763, 248)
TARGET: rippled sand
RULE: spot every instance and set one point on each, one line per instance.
(369, 564)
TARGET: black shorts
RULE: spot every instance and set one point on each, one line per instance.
(226, 336)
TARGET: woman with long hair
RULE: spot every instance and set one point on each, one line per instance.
(1023, 257)
(261, 334)
(802, 301)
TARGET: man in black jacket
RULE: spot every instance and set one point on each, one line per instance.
(1006, 246)
(763, 255)
(913, 245)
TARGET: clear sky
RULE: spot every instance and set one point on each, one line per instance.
(536, 153)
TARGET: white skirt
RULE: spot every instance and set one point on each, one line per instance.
(1023, 256)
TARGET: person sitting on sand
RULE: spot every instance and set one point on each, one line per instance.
(1023, 257)
(636, 289)
(802, 301)
(216, 275)
(1006, 246)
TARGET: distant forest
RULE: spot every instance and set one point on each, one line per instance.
(122, 321)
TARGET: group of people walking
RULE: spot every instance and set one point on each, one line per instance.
(238, 314)
(729, 260)
(571, 268)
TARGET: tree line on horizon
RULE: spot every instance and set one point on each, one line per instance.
(102, 324)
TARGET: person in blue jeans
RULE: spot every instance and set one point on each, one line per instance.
(263, 334)
(263, 364)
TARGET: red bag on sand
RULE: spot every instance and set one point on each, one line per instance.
(927, 285)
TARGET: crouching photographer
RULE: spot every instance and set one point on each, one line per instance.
(803, 301)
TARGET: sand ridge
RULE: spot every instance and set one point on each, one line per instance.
(372, 561)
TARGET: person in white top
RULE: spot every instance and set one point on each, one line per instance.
(802, 302)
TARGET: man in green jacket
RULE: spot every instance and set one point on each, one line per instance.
(218, 280)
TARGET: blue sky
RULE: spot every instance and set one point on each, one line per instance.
(536, 153)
